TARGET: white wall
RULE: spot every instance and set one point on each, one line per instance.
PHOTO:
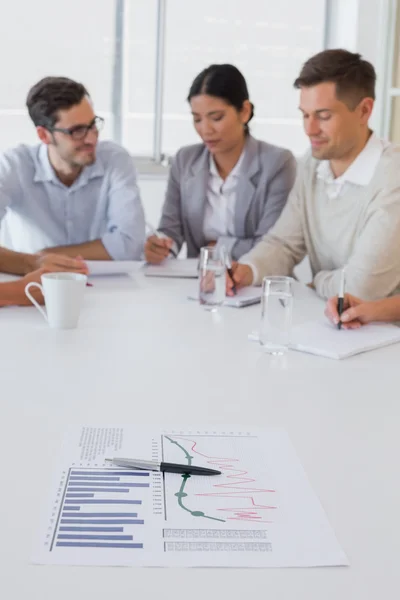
(152, 192)
(372, 42)
(362, 26)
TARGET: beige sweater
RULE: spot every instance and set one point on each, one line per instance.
(360, 229)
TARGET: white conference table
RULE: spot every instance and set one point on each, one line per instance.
(143, 354)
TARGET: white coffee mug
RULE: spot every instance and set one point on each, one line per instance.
(63, 294)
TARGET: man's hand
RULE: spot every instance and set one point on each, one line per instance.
(356, 313)
(157, 249)
(58, 262)
(242, 275)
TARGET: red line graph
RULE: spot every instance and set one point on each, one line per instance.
(239, 486)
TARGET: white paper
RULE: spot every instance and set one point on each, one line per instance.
(244, 297)
(111, 267)
(324, 339)
(261, 512)
(174, 267)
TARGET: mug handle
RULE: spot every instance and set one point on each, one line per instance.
(32, 299)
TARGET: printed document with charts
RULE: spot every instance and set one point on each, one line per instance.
(260, 512)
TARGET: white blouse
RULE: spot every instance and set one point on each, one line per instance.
(219, 215)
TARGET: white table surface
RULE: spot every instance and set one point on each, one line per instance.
(143, 354)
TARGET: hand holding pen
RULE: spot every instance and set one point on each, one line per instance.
(157, 246)
(230, 272)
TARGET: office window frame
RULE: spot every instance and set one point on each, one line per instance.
(158, 161)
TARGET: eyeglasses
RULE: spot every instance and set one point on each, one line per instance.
(79, 132)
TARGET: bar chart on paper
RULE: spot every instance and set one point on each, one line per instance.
(105, 510)
(101, 508)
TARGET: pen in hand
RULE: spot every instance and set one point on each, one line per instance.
(340, 303)
(230, 272)
(160, 237)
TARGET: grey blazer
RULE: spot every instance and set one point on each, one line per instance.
(266, 177)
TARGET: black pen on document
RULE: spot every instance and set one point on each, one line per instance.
(154, 465)
(160, 237)
(340, 302)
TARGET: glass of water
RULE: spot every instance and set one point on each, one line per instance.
(212, 270)
(276, 314)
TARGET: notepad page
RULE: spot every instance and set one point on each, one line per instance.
(244, 297)
(324, 339)
(174, 267)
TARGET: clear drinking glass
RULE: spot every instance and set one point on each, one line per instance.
(276, 314)
(212, 269)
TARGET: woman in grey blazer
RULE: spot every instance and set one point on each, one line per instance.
(230, 189)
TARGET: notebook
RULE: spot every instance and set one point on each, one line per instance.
(110, 267)
(244, 297)
(324, 339)
(173, 267)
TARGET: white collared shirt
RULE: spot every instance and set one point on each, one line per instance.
(219, 214)
(40, 211)
(359, 173)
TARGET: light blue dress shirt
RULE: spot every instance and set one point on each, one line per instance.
(103, 203)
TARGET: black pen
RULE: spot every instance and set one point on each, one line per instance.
(340, 302)
(230, 272)
(153, 465)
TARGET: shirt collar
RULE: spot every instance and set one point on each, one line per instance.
(236, 169)
(45, 172)
(361, 170)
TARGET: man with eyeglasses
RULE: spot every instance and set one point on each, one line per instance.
(74, 197)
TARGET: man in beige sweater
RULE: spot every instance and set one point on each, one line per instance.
(344, 209)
